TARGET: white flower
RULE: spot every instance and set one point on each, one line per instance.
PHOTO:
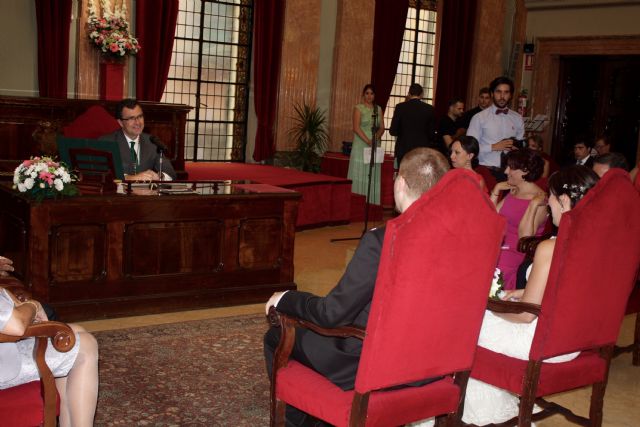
(496, 284)
(22, 188)
(42, 185)
(58, 184)
(28, 183)
(66, 178)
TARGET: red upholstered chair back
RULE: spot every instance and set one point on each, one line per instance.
(435, 271)
(93, 123)
(592, 271)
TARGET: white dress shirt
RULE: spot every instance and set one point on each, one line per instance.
(488, 128)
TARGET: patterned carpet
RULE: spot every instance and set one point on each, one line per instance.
(208, 373)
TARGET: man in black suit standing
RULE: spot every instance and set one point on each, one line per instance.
(413, 124)
(349, 302)
(139, 155)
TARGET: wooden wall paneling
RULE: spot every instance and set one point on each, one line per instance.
(351, 66)
(486, 57)
(546, 68)
(259, 243)
(77, 253)
(299, 66)
(519, 36)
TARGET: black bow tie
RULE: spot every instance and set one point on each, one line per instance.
(503, 111)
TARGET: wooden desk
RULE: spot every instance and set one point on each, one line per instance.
(105, 256)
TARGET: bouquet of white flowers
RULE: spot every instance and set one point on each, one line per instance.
(42, 177)
(496, 285)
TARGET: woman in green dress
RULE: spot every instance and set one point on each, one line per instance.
(363, 123)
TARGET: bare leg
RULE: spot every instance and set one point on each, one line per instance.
(79, 390)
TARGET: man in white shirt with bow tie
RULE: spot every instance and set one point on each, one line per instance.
(497, 126)
(140, 157)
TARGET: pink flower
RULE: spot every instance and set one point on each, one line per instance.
(113, 47)
(27, 163)
(46, 176)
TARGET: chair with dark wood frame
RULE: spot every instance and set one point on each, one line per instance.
(34, 403)
(579, 312)
(433, 255)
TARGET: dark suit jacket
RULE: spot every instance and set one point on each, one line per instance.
(148, 157)
(347, 304)
(589, 162)
(413, 124)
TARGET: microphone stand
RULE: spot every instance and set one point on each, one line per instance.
(372, 159)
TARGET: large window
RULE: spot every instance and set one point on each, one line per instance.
(210, 72)
(416, 63)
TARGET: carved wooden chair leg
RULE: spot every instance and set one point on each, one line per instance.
(597, 400)
(279, 414)
(528, 397)
(636, 343)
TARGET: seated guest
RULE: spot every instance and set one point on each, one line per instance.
(76, 371)
(536, 143)
(603, 145)
(525, 216)
(140, 157)
(512, 334)
(350, 301)
(603, 162)
(464, 154)
(582, 153)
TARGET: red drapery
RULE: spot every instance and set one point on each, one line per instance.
(53, 20)
(388, 28)
(267, 30)
(456, 43)
(155, 30)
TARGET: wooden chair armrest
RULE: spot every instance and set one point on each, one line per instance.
(500, 306)
(61, 335)
(527, 245)
(16, 287)
(276, 319)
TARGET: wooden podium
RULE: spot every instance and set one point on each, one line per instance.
(97, 256)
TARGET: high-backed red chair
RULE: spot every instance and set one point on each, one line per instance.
(35, 403)
(93, 123)
(436, 267)
(591, 275)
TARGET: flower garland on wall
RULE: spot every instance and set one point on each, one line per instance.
(110, 32)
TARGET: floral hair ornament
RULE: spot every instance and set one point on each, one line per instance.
(575, 191)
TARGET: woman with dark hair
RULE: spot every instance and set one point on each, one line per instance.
(536, 143)
(366, 116)
(511, 334)
(525, 213)
(464, 155)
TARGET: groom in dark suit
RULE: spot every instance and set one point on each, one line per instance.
(140, 157)
(413, 124)
(349, 302)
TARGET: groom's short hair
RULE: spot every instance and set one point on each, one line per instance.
(421, 169)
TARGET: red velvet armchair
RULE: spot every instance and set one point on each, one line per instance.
(592, 273)
(35, 403)
(436, 267)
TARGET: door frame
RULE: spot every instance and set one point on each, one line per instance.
(546, 72)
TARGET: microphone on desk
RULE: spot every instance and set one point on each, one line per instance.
(161, 149)
(158, 143)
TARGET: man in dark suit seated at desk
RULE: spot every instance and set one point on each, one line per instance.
(349, 301)
(140, 156)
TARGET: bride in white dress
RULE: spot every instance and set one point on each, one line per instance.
(512, 334)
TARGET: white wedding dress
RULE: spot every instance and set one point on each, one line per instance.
(484, 403)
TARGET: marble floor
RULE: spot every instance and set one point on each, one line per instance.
(320, 263)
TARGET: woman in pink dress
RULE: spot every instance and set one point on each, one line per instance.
(526, 214)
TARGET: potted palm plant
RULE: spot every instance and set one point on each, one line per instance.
(310, 135)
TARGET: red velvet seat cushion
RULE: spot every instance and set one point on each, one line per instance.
(312, 393)
(21, 405)
(508, 373)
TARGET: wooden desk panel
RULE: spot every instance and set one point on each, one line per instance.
(104, 256)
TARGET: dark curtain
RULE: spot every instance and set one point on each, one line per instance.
(456, 43)
(53, 21)
(388, 28)
(268, 28)
(155, 30)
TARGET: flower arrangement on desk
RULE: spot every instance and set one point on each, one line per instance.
(497, 284)
(42, 178)
(110, 32)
